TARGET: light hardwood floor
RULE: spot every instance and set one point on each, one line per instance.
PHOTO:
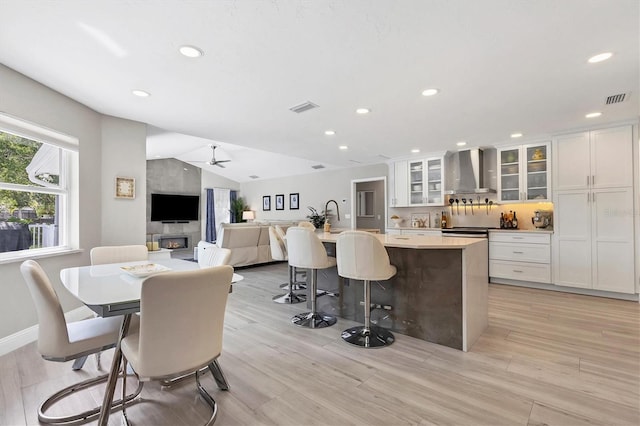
(547, 358)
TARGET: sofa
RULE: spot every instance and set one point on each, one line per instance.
(248, 242)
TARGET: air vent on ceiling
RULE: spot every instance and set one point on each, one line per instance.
(616, 99)
(254, 177)
(306, 106)
(317, 166)
(356, 161)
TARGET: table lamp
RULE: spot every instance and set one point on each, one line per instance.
(248, 215)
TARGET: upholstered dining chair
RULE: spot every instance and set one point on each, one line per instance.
(213, 256)
(294, 284)
(61, 341)
(306, 224)
(116, 254)
(181, 325)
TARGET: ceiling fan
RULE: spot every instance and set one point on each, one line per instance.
(213, 161)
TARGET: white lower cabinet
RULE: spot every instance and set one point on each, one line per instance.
(521, 256)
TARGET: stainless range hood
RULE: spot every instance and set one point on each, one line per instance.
(472, 171)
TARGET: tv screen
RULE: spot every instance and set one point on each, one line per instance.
(174, 207)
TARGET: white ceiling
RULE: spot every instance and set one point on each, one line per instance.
(501, 66)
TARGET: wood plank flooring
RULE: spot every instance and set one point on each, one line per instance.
(547, 358)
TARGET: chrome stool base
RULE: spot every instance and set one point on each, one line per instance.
(290, 298)
(374, 337)
(314, 320)
(295, 286)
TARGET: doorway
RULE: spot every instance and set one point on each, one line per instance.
(369, 203)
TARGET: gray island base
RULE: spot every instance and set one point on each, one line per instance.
(439, 293)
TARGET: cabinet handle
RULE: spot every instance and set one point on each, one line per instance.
(593, 179)
(518, 252)
(517, 238)
(594, 197)
(518, 271)
(588, 198)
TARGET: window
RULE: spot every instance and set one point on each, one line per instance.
(34, 189)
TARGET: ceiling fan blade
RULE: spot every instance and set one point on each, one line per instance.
(223, 161)
(219, 165)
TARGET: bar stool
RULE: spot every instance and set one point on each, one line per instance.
(293, 283)
(306, 251)
(279, 252)
(361, 256)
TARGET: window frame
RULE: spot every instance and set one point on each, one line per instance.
(66, 189)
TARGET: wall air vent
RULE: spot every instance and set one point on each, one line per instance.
(317, 166)
(616, 99)
(254, 177)
(306, 106)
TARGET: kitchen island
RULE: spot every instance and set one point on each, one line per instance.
(439, 293)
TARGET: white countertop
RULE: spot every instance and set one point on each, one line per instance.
(415, 241)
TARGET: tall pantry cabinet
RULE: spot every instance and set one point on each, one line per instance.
(593, 198)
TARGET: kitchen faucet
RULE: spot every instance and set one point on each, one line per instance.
(337, 209)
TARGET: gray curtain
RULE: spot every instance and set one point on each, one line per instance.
(233, 196)
(211, 217)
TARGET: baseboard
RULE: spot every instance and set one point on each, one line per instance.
(24, 337)
(575, 290)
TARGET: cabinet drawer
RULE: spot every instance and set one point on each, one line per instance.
(428, 233)
(520, 237)
(522, 271)
(538, 253)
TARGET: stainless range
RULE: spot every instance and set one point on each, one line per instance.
(466, 232)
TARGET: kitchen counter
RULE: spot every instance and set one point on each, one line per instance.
(439, 293)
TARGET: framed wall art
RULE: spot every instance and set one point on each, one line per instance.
(125, 187)
(279, 201)
(266, 202)
(294, 201)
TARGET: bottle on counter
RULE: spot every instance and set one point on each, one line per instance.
(443, 220)
(502, 224)
(514, 222)
(327, 226)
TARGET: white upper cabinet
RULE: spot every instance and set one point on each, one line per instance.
(596, 159)
(418, 182)
(524, 173)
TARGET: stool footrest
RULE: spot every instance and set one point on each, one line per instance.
(314, 320)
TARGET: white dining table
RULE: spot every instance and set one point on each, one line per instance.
(109, 290)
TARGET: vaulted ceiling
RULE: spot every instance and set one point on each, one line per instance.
(500, 67)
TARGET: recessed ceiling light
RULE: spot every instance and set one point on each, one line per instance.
(461, 143)
(191, 51)
(516, 135)
(593, 115)
(415, 151)
(600, 57)
(329, 132)
(363, 110)
(343, 147)
(140, 93)
(429, 92)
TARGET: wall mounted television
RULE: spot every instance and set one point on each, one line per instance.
(174, 207)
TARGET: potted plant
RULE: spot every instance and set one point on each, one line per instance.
(316, 218)
(237, 207)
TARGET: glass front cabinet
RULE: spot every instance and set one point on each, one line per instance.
(524, 173)
(424, 184)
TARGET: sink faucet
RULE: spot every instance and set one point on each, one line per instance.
(326, 206)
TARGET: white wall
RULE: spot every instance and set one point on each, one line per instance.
(31, 101)
(123, 151)
(315, 190)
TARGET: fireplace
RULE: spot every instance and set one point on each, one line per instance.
(174, 242)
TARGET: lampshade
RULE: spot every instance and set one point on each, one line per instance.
(248, 215)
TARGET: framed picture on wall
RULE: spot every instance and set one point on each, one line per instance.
(125, 188)
(266, 202)
(294, 201)
(279, 201)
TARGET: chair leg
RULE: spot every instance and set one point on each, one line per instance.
(290, 297)
(218, 375)
(314, 319)
(79, 363)
(367, 335)
(125, 420)
(208, 399)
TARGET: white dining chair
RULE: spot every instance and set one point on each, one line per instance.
(61, 341)
(181, 326)
(115, 254)
(213, 256)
